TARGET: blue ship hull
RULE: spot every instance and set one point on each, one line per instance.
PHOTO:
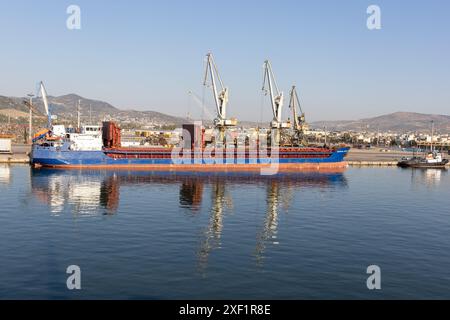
(48, 156)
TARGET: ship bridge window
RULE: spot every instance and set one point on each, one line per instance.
(92, 129)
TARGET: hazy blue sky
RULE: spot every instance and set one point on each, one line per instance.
(149, 54)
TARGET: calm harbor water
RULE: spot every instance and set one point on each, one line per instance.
(140, 235)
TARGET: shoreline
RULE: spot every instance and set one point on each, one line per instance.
(12, 158)
(376, 157)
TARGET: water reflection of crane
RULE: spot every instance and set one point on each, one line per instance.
(271, 220)
(90, 193)
(276, 197)
(220, 200)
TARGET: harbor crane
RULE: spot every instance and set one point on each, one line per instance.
(276, 99)
(220, 97)
(299, 120)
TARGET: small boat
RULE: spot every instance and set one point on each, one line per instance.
(432, 160)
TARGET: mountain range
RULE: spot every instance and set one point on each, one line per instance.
(65, 107)
(395, 122)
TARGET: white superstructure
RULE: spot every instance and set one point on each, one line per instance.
(90, 139)
(59, 130)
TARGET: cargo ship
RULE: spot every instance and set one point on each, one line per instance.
(100, 146)
(160, 159)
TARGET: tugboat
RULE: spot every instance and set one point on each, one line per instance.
(432, 160)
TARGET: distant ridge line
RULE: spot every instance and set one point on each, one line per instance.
(65, 106)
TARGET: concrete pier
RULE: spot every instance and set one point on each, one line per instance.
(13, 158)
(372, 163)
(377, 157)
(20, 154)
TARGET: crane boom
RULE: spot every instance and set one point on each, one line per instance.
(276, 97)
(299, 120)
(220, 97)
(44, 98)
(294, 102)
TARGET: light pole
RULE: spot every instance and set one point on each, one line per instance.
(30, 125)
(78, 116)
(432, 135)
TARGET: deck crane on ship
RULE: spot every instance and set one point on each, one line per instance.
(276, 99)
(44, 132)
(220, 97)
(43, 93)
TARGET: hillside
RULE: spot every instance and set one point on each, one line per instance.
(13, 113)
(396, 122)
(12, 103)
(65, 107)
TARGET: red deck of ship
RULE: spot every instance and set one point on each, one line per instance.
(166, 153)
